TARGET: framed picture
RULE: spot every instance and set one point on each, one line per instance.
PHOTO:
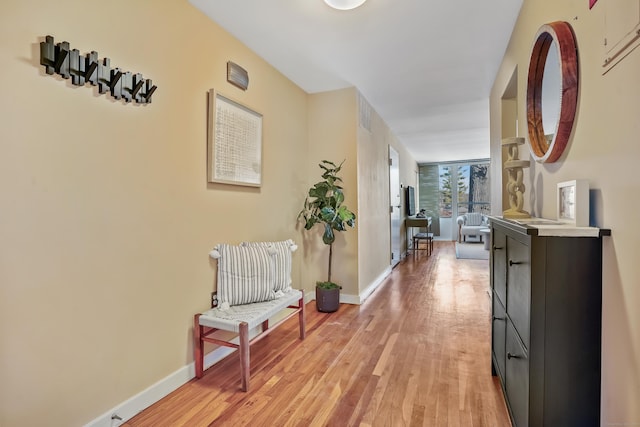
(234, 146)
(573, 202)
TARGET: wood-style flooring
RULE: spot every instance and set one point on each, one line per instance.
(416, 353)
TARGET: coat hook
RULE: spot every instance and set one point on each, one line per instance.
(115, 78)
(116, 83)
(77, 68)
(127, 86)
(104, 75)
(150, 89)
(91, 65)
(137, 88)
(150, 92)
(48, 55)
(61, 59)
(92, 68)
(137, 92)
(62, 65)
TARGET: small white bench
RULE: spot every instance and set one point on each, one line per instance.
(243, 318)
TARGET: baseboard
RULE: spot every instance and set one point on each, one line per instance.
(309, 296)
(359, 299)
(157, 391)
(374, 285)
(349, 299)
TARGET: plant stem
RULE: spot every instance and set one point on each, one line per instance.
(330, 254)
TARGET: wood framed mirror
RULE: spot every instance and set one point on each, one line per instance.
(552, 91)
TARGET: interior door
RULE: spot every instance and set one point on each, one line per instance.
(396, 205)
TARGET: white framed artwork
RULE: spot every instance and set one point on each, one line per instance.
(234, 142)
(573, 202)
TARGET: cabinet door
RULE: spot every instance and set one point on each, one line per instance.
(517, 379)
(498, 336)
(519, 287)
(499, 264)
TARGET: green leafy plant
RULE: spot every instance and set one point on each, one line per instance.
(324, 206)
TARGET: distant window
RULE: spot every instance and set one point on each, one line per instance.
(448, 190)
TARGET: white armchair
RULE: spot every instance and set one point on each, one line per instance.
(470, 224)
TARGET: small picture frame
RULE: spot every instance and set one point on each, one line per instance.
(573, 202)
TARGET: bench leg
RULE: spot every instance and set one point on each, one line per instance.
(198, 346)
(243, 350)
(301, 318)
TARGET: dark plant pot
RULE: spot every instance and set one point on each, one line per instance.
(327, 300)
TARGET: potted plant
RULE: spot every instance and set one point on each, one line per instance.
(324, 206)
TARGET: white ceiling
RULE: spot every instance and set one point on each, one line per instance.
(426, 66)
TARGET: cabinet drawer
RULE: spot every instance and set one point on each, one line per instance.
(519, 287)
(517, 378)
(498, 336)
(499, 264)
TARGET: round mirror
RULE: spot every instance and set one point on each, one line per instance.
(552, 91)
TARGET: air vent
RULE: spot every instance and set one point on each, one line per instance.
(364, 112)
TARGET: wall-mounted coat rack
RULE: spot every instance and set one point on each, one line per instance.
(60, 59)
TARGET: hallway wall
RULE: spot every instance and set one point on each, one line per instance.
(603, 149)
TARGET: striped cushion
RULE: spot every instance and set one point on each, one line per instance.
(282, 262)
(474, 218)
(245, 274)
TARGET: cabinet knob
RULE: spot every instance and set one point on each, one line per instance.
(513, 356)
(498, 318)
(512, 262)
(497, 248)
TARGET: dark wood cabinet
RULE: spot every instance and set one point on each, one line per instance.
(546, 283)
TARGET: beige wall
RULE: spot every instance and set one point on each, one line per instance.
(373, 200)
(107, 217)
(373, 191)
(509, 123)
(332, 136)
(604, 150)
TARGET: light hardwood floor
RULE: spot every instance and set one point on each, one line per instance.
(416, 353)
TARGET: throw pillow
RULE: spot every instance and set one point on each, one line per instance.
(474, 218)
(245, 274)
(282, 262)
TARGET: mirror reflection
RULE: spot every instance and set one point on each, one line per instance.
(551, 92)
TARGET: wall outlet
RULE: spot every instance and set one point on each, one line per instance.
(116, 420)
(214, 299)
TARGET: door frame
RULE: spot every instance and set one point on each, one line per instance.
(395, 206)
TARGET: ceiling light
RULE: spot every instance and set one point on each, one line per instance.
(344, 4)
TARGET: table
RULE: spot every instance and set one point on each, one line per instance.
(485, 234)
(411, 222)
